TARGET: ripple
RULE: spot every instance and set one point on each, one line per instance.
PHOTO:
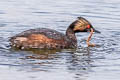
(83, 63)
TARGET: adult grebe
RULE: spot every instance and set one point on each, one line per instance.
(43, 38)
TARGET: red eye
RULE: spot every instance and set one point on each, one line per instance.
(88, 26)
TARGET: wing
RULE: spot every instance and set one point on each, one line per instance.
(40, 38)
(52, 34)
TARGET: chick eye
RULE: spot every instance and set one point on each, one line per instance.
(88, 26)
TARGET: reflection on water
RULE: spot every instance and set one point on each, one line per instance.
(101, 62)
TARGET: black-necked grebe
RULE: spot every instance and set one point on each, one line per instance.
(43, 38)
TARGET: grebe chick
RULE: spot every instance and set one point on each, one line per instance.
(43, 38)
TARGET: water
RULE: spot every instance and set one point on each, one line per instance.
(101, 63)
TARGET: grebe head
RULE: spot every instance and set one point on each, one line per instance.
(82, 25)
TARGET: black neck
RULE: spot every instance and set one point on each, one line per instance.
(71, 36)
(70, 33)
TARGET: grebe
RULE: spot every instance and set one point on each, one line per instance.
(43, 38)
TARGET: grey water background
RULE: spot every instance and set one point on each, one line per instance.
(101, 63)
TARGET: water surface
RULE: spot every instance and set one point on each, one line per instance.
(101, 63)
